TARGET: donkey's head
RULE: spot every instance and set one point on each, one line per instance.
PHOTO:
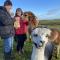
(40, 36)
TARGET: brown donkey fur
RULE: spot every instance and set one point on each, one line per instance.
(55, 36)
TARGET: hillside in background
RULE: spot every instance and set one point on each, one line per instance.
(50, 22)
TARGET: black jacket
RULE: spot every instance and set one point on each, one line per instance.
(6, 23)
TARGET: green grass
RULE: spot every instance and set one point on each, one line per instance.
(25, 56)
(49, 22)
(27, 52)
(1, 50)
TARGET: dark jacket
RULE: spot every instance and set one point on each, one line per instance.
(6, 24)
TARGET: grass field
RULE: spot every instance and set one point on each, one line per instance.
(25, 56)
(27, 52)
(27, 46)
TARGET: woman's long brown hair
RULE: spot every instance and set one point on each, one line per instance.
(31, 18)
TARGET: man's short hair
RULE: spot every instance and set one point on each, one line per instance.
(7, 2)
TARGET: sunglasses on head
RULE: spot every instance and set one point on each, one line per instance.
(25, 14)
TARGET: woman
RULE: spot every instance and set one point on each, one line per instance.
(33, 23)
(20, 30)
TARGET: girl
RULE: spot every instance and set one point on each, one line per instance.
(20, 30)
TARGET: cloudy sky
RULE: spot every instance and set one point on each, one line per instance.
(43, 9)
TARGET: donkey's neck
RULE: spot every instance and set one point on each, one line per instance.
(38, 54)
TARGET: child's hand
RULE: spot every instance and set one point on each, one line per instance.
(17, 23)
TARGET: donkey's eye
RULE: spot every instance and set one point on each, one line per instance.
(47, 35)
(35, 35)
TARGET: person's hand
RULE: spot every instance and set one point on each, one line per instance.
(17, 18)
(17, 23)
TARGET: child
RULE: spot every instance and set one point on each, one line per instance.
(21, 30)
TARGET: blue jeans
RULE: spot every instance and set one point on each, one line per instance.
(8, 44)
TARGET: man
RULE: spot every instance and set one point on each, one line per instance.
(7, 28)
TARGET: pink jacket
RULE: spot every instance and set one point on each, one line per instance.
(23, 27)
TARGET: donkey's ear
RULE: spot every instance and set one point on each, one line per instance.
(54, 36)
(58, 39)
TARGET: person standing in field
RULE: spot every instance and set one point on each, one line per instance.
(7, 29)
(20, 29)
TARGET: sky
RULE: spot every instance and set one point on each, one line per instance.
(43, 9)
